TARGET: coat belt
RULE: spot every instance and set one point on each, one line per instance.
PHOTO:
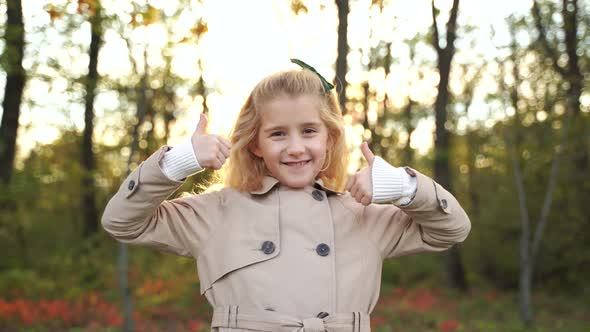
(239, 317)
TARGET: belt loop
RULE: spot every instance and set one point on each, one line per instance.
(356, 321)
(233, 319)
(359, 321)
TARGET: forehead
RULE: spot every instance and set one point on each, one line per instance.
(285, 110)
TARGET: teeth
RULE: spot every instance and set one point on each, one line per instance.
(301, 163)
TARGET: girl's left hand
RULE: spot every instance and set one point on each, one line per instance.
(360, 185)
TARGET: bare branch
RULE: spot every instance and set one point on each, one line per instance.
(570, 20)
(452, 26)
(526, 259)
(435, 35)
(512, 145)
(550, 187)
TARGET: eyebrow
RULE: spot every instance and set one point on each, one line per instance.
(306, 124)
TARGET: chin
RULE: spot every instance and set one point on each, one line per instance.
(297, 184)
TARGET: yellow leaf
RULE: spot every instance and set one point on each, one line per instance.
(54, 14)
(200, 29)
(151, 16)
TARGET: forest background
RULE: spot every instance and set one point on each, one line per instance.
(491, 98)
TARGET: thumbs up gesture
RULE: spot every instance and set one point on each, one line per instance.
(360, 185)
(211, 150)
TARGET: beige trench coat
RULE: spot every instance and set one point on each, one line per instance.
(280, 259)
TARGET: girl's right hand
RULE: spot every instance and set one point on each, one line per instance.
(211, 150)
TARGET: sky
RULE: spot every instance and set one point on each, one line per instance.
(247, 40)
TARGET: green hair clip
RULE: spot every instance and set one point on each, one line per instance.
(325, 83)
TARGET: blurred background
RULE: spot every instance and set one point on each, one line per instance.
(491, 98)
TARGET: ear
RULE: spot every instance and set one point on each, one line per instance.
(331, 140)
(255, 150)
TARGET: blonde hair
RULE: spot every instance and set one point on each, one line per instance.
(245, 171)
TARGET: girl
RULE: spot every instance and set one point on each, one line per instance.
(280, 248)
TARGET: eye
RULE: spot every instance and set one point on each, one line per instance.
(277, 133)
(309, 131)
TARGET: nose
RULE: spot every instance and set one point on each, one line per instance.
(295, 147)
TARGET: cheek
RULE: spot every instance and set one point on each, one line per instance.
(321, 147)
(269, 150)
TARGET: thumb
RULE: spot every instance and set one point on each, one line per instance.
(367, 153)
(202, 126)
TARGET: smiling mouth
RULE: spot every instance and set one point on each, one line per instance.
(296, 163)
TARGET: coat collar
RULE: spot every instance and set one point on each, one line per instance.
(269, 182)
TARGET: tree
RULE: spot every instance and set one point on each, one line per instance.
(441, 142)
(570, 70)
(151, 102)
(530, 238)
(383, 115)
(89, 210)
(12, 60)
(341, 64)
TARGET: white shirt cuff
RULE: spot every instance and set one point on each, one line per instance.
(180, 162)
(391, 184)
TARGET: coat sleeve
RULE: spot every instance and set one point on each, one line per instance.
(433, 221)
(139, 213)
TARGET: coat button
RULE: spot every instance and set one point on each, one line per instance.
(131, 185)
(443, 203)
(410, 172)
(322, 249)
(323, 315)
(268, 247)
(317, 195)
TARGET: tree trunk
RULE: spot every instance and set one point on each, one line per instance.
(473, 194)
(150, 137)
(529, 242)
(12, 59)
(513, 143)
(576, 79)
(525, 282)
(455, 271)
(89, 210)
(341, 65)
(408, 156)
(441, 141)
(123, 261)
(408, 116)
(202, 89)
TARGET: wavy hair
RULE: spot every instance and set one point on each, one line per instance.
(245, 171)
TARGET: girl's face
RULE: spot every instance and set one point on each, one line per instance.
(292, 140)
